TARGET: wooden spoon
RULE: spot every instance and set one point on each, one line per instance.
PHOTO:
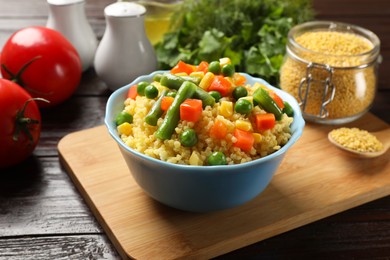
(383, 136)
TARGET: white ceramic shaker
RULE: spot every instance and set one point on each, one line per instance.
(69, 18)
(124, 53)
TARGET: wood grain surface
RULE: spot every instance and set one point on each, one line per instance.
(315, 180)
(43, 216)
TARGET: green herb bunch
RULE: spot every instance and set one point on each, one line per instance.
(252, 33)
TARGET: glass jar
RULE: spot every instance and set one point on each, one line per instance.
(158, 17)
(331, 69)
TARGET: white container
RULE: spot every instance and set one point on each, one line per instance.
(69, 18)
(124, 52)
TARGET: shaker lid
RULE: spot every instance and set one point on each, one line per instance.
(124, 9)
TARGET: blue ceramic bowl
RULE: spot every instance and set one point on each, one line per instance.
(200, 188)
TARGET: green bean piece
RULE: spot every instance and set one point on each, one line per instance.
(207, 99)
(123, 117)
(267, 103)
(188, 137)
(288, 109)
(172, 116)
(171, 94)
(217, 158)
(155, 112)
(151, 91)
(174, 82)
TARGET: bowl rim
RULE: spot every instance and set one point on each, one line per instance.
(296, 129)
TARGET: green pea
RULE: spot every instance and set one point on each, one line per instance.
(172, 94)
(141, 87)
(151, 92)
(239, 92)
(215, 67)
(228, 70)
(188, 137)
(216, 158)
(123, 117)
(157, 77)
(288, 109)
(216, 95)
(243, 106)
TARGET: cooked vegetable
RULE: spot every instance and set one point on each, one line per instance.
(288, 109)
(206, 80)
(132, 93)
(219, 130)
(151, 92)
(182, 67)
(157, 77)
(191, 110)
(216, 95)
(245, 139)
(171, 94)
(188, 137)
(252, 33)
(141, 87)
(174, 82)
(217, 158)
(239, 92)
(166, 102)
(243, 106)
(267, 103)
(203, 66)
(221, 85)
(265, 121)
(207, 99)
(172, 117)
(278, 100)
(215, 67)
(228, 70)
(123, 117)
(156, 111)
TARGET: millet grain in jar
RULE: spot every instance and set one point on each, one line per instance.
(353, 72)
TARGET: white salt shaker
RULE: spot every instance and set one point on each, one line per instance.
(124, 52)
(69, 18)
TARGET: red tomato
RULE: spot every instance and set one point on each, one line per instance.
(54, 75)
(15, 124)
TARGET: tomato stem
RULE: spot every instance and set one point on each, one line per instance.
(22, 123)
(17, 78)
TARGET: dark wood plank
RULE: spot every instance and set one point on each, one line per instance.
(57, 247)
(37, 197)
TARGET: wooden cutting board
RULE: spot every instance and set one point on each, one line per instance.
(315, 180)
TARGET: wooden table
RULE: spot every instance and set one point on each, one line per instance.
(42, 215)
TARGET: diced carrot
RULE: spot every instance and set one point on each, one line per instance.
(191, 110)
(265, 121)
(239, 79)
(278, 100)
(132, 92)
(244, 141)
(220, 84)
(219, 130)
(183, 67)
(166, 102)
(203, 66)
